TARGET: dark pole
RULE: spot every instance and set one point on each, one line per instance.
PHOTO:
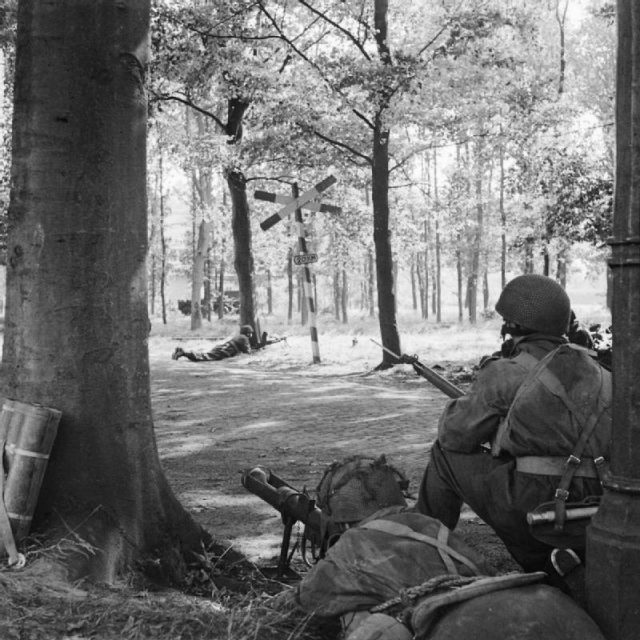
(613, 539)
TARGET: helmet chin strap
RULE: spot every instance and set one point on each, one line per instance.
(514, 329)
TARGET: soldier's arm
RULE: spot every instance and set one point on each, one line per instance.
(473, 419)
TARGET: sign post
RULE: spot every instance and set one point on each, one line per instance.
(308, 288)
(293, 204)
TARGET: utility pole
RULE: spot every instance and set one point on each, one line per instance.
(613, 539)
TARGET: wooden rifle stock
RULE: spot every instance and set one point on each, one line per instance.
(434, 378)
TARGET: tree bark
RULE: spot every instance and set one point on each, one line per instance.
(197, 277)
(269, 293)
(412, 275)
(163, 249)
(77, 324)
(380, 197)
(243, 252)
(425, 282)
(336, 294)
(344, 298)
(371, 286)
(503, 222)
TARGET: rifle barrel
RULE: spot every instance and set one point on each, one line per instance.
(448, 388)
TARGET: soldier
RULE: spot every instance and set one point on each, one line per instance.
(240, 343)
(546, 437)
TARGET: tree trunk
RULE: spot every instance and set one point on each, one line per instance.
(425, 281)
(344, 298)
(290, 285)
(163, 249)
(474, 271)
(380, 197)
(197, 277)
(336, 294)
(243, 252)
(459, 280)
(412, 275)
(503, 223)
(485, 290)
(438, 281)
(371, 273)
(221, 286)
(77, 325)
(545, 260)
(561, 273)
(269, 293)
(437, 284)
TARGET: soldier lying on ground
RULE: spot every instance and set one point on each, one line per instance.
(548, 437)
(395, 574)
(240, 343)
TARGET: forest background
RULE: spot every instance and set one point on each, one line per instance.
(498, 122)
(471, 141)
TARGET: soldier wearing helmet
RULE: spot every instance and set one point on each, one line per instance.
(504, 467)
(239, 343)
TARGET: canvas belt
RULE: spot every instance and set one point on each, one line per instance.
(555, 466)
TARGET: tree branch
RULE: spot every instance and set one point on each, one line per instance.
(186, 101)
(335, 25)
(343, 146)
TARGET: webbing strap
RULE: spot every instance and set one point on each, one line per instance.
(12, 449)
(6, 534)
(553, 383)
(397, 529)
(443, 536)
(530, 361)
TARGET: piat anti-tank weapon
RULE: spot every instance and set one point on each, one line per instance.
(448, 388)
(294, 506)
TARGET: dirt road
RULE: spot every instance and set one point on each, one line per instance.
(214, 419)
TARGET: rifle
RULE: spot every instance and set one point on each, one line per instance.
(421, 369)
(265, 342)
(294, 506)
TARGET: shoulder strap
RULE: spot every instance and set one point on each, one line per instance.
(531, 362)
(587, 427)
(396, 529)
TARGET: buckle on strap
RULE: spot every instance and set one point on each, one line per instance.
(561, 494)
(572, 461)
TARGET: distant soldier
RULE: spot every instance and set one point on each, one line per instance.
(544, 405)
(240, 343)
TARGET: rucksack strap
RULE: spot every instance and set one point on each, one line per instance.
(553, 383)
(530, 361)
(401, 530)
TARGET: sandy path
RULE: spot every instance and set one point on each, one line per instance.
(214, 419)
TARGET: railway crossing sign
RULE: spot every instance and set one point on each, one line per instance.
(310, 199)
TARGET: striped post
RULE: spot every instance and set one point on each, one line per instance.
(308, 289)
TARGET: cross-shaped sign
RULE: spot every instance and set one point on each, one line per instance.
(308, 200)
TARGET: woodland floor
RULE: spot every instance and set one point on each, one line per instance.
(213, 420)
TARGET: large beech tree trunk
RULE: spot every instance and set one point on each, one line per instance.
(76, 323)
